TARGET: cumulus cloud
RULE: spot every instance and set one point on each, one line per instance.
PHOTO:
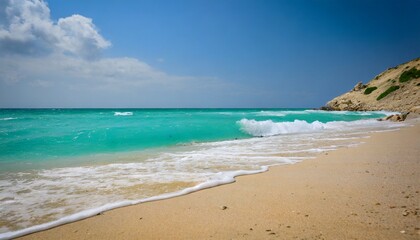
(79, 35)
(26, 28)
(36, 47)
(65, 50)
(47, 63)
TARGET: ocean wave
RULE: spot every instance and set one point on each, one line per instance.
(270, 128)
(281, 113)
(123, 113)
(271, 113)
(7, 119)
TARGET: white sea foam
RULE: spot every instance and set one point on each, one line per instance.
(387, 113)
(270, 128)
(123, 113)
(219, 179)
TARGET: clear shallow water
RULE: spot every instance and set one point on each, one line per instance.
(56, 163)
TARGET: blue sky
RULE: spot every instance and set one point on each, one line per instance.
(212, 53)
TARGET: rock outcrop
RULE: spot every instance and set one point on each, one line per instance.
(359, 86)
(395, 117)
(396, 89)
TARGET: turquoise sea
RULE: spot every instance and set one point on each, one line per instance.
(60, 165)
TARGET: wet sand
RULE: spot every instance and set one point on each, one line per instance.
(367, 192)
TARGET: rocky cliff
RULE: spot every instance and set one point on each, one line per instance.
(396, 89)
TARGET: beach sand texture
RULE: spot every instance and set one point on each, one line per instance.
(367, 192)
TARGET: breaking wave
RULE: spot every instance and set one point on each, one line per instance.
(270, 128)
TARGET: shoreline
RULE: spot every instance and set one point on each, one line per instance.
(260, 153)
(179, 214)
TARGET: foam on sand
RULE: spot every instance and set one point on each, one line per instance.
(221, 178)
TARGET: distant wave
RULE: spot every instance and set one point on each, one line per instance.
(281, 113)
(123, 113)
(6, 119)
(270, 128)
(271, 113)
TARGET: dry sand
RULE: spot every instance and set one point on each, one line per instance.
(367, 192)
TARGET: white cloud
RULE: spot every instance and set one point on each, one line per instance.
(38, 48)
(46, 63)
(26, 28)
(79, 36)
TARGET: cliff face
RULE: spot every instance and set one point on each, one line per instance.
(396, 89)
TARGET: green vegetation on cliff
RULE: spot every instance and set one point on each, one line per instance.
(410, 74)
(388, 91)
(369, 90)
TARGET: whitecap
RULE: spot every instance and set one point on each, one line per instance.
(123, 113)
(7, 119)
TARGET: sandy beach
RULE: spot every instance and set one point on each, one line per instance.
(371, 191)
